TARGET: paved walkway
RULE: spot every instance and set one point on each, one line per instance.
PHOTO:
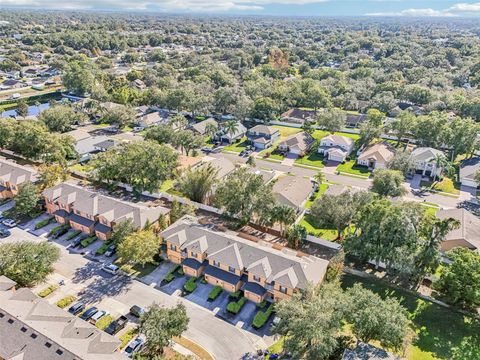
(157, 275)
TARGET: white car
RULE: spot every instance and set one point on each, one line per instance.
(111, 269)
(98, 316)
(134, 346)
(9, 222)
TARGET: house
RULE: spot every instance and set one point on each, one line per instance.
(149, 120)
(468, 169)
(234, 263)
(104, 145)
(202, 126)
(230, 138)
(368, 352)
(336, 147)
(355, 120)
(12, 84)
(94, 213)
(32, 328)
(222, 164)
(78, 135)
(86, 147)
(298, 116)
(263, 136)
(424, 161)
(297, 144)
(12, 176)
(467, 235)
(293, 191)
(376, 156)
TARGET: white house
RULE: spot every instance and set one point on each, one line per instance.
(376, 156)
(424, 161)
(336, 147)
(297, 144)
(263, 136)
(468, 169)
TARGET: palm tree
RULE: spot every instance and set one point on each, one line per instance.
(441, 162)
(231, 127)
(211, 130)
(319, 177)
(284, 215)
(197, 183)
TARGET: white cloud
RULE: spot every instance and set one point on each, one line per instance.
(464, 7)
(414, 13)
(162, 5)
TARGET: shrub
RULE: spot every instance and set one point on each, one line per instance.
(262, 304)
(234, 307)
(214, 293)
(190, 285)
(47, 291)
(43, 223)
(169, 277)
(180, 271)
(67, 300)
(104, 322)
(262, 317)
(102, 249)
(126, 337)
(203, 281)
(72, 235)
(235, 295)
(87, 241)
(55, 230)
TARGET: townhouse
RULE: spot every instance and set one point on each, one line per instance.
(12, 176)
(94, 213)
(234, 263)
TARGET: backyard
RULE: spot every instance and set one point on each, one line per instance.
(308, 223)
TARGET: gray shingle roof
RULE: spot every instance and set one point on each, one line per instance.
(292, 190)
(469, 168)
(201, 127)
(16, 174)
(469, 229)
(274, 265)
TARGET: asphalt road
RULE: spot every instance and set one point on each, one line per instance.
(85, 278)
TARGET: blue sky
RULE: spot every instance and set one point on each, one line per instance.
(404, 8)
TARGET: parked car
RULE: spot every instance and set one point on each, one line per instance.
(78, 240)
(9, 222)
(137, 311)
(89, 313)
(97, 316)
(206, 150)
(116, 325)
(4, 233)
(111, 269)
(110, 251)
(134, 346)
(60, 232)
(76, 308)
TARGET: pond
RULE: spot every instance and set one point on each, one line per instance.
(32, 110)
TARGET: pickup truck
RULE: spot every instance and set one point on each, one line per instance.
(116, 325)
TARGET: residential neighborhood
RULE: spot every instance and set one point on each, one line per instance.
(189, 180)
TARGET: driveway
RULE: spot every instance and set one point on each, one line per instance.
(157, 275)
(7, 206)
(330, 167)
(289, 160)
(415, 182)
(30, 225)
(43, 232)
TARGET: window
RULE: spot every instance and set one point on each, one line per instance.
(23, 329)
(10, 321)
(283, 289)
(48, 345)
(33, 336)
(194, 254)
(216, 263)
(256, 278)
(173, 247)
(231, 269)
(59, 352)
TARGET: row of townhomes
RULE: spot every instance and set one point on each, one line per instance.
(32, 328)
(94, 213)
(12, 176)
(235, 263)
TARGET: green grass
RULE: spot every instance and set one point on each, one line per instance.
(350, 167)
(104, 322)
(136, 270)
(438, 329)
(167, 185)
(324, 233)
(126, 337)
(286, 131)
(276, 348)
(80, 168)
(238, 146)
(313, 159)
(446, 185)
(47, 291)
(320, 134)
(321, 190)
(67, 300)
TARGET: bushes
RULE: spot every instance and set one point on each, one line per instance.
(262, 317)
(47, 291)
(67, 300)
(190, 285)
(55, 230)
(180, 271)
(72, 235)
(170, 275)
(126, 337)
(87, 241)
(44, 223)
(234, 307)
(102, 249)
(235, 295)
(214, 293)
(104, 322)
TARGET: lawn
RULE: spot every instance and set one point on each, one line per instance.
(286, 131)
(320, 134)
(446, 185)
(438, 329)
(327, 234)
(321, 190)
(238, 146)
(136, 270)
(193, 347)
(349, 167)
(167, 185)
(313, 159)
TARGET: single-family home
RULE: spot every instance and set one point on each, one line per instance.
(297, 144)
(234, 263)
(202, 126)
(105, 145)
(12, 176)
(424, 161)
(239, 133)
(12, 84)
(467, 235)
(86, 147)
(355, 120)
(222, 164)
(298, 116)
(368, 352)
(150, 119)
(468, 170)
(263, 136)
(336, 147)
(376, 156)
(94, 213)
(293, 191)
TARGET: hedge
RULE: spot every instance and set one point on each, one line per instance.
(87, 241)
(43, 223)
(235, 295)
(55, 230)
(104, 322)
(169, 277)
(126, 337)
(214, 293)
(190, 285)
(73, 234)
(67, 300)
(262, 317)
(47, 291)
(234, 307)
(102, 249)
(180, 271)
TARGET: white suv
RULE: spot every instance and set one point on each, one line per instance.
(111, 269)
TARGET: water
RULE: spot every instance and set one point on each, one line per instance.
(32, 110)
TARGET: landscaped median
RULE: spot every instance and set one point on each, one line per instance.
(215, 293)
(47, 291)
(88, 241)
(234, 307)
(44, 222)
(262, 317)
(104, 322)
(67, 300)
(191, 285)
